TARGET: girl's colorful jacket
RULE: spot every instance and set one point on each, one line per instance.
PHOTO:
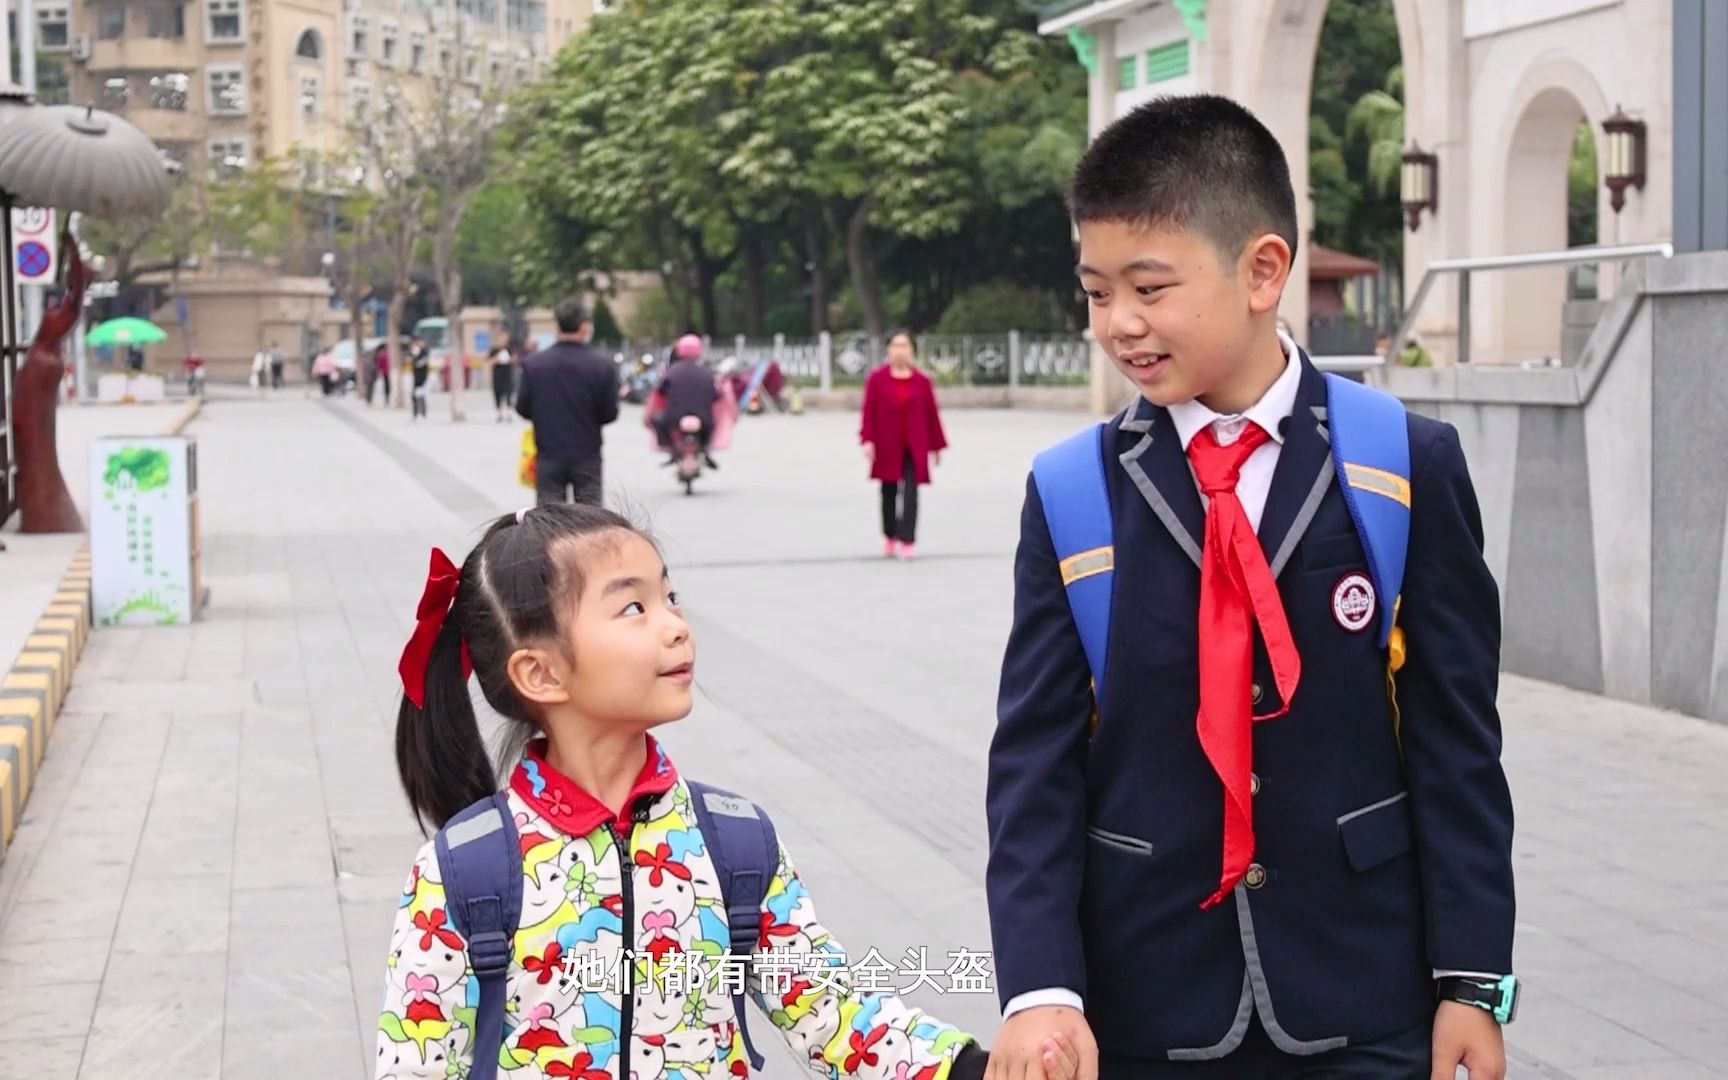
(574, 897)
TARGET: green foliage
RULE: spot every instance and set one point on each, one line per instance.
(1000, 305)
(1356, 130)
(1581, 181)
(697, 136)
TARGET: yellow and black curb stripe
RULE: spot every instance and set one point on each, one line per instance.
(34, 689)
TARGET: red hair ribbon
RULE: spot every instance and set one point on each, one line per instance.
(435, 603)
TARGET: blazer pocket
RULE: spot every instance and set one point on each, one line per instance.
(1121, 842)
(1332, 552)
(1377, 833)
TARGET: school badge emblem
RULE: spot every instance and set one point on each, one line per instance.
(1353, 602)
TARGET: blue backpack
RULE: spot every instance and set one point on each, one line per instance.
(1370, 441)
(481, 861)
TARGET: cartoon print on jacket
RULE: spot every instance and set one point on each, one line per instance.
(562, 1028)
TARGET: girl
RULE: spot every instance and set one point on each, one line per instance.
(901, 430)
(567, 617)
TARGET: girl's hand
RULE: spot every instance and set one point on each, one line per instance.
(1061, 1058)
(870, 453)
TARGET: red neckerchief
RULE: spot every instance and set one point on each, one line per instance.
(563, 802)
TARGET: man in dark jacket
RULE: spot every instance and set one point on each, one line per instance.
(569, 392)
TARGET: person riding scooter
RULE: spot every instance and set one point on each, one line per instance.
(689, 389)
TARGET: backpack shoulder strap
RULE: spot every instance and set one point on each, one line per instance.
(1371, 453)
(480, 859)
(746, 855)
(1076, 496)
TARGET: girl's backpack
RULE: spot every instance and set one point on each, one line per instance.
(479, 857)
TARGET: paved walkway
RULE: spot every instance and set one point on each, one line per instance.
(203, 883)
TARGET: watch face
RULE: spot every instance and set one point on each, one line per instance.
(1506, 1010)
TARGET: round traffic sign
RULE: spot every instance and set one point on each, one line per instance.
(33, 259)
(31, 220)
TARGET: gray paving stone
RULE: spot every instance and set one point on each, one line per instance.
(46, 1059)
(235, 777)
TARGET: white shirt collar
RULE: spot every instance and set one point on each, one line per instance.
(1274, 406)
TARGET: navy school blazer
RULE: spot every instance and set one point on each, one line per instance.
(1376, 868)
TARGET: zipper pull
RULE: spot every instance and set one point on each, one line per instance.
(639, 812)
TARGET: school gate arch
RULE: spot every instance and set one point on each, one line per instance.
(1486, 84)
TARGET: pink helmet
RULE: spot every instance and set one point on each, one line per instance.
(688, 347)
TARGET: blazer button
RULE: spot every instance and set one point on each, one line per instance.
(1253, 783)
(1255, 693)
(1256, 876)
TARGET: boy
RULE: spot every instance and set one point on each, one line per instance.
(1315, 895)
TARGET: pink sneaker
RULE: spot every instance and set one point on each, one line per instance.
(890, 548)
(908, 552)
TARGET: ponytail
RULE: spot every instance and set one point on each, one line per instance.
(439, 752)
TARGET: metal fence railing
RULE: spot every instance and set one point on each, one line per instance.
(844, 359)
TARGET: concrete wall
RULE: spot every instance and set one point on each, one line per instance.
(1603, 505)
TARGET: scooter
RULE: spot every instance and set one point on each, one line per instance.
(689, 452)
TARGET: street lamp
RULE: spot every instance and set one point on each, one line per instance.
(1625, 165)
(1418, 184)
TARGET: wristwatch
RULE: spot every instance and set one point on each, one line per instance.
(1497, 996)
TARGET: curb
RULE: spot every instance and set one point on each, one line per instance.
(35, 687)
(188, 413)
(33, 690)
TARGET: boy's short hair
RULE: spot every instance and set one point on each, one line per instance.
(1200, 162)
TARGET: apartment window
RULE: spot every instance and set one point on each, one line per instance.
(417, 52)
(309, 47)
(167, 21)
(359, 103)
(497, 72)
(1127, 73)
(170, 91)
(222, 20)
(309, 98)
(443, 59)
(357, 27)
(52, 28)
(111, 22)
(227, 157)
(227, 90)
(387, 51)
(471, 66)
(1167, 62)
(115, 91)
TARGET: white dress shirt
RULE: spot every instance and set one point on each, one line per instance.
(1255, 481)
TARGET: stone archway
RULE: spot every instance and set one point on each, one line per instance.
(1521, 207)
(1278, 43)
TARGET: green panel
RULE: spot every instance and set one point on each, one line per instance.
(1167, 62)
(1128, 73)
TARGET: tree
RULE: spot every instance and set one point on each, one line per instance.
(397, 199)
(713, 135)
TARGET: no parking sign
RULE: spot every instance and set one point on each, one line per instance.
(33, 245)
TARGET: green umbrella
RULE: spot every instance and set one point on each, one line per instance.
(127, 331)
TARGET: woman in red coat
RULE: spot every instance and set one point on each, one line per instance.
(900, 432)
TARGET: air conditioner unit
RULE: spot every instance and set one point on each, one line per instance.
(81, 47)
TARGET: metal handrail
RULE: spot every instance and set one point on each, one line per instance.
(1465, 267)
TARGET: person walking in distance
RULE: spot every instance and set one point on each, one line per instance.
(380, 372)
(568, 391)
(278, 363)
(420, 365)
(901, 432)
(503, 378)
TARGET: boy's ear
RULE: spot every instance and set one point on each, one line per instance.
(1267, 261)
(539, 675)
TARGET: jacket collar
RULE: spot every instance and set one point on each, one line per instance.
(564, 803)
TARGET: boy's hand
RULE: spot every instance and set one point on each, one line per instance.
(1061, 1058)
(1018, 1053)
(1468, 1036)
